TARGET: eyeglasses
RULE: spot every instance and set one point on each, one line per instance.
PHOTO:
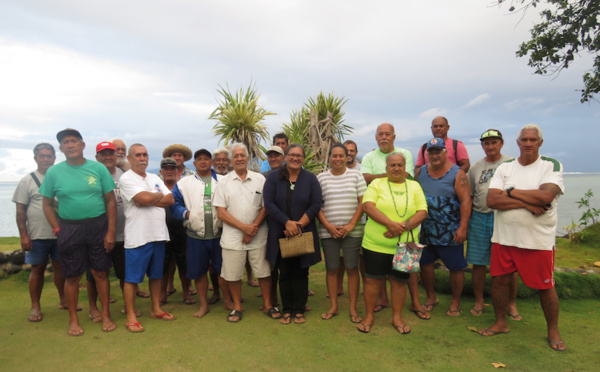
(491, 133)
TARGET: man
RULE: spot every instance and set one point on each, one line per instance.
(121, 154)
(280, 140)
(239, 205)
(221, 161)
(455, 150)
(275, 157)
(372, 167)
(180, 154)
(144, 198)
(373, 164)
(444, 230)
(124, 165)
(524, 193)
(481, 223)
(194, 198)
(106, 154)
(37, 239)
(352, 149)
(175, 248)
(86, 225)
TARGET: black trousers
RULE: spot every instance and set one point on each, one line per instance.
(293, 285)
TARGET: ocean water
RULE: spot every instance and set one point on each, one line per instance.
(576, 184)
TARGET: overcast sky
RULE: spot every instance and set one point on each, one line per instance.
(148, 71)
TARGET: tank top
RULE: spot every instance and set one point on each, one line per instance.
(443, 216)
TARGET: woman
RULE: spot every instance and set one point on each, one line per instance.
(343, 190)
(292, 198)
(392, 204)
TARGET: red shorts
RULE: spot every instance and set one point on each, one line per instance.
(535, 267)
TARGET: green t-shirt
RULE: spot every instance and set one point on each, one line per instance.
(79, 189)
(375, 161)
(378, 192)
(208, 214)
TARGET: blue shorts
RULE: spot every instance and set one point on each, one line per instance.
(452, 256)
(199, 252)
(479, 238)
(40, 251)
(144, 260)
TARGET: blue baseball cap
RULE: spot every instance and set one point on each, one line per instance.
(436, 143)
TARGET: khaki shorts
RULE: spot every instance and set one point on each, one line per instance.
(235, 260)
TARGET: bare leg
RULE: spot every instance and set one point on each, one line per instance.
(353, 284)
(224, 284)
(202, 288)
(340, 277)
(250, 278)
(155, 285)
(478, 277)
(171, 276)
(383, 301)
(129, 291)
(398, 291)
(428, 279)
(457, 282)
(95, 313)
(500, 297)
(103, 288)
(332, 289)
(72, 294)
(185, 285)
(236, 294)
(361, 266)
(549, 301)
(265, 288)
(372, 288)
(216, 296)
(416, 307)
(59, 281)
(512, 311)
(36, 284)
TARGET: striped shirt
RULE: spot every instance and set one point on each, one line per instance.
(340, 199)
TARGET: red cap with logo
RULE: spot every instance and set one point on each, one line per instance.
(105, 145)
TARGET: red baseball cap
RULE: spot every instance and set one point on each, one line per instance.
(105, 145)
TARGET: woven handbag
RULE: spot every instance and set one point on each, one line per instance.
(297, 245)
(408, 255)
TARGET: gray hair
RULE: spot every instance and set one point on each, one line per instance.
(532, 127)
(394, 153)
(222, 150)
(235, 146)
(43, 146)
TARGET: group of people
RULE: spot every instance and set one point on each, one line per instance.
(222, 217)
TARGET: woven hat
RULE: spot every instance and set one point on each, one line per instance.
(187, 153)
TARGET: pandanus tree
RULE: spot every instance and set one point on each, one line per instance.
(240, 118)
(317, 126)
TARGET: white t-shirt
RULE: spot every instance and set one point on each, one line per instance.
(142, 224)
(243, 200)
(518, 227)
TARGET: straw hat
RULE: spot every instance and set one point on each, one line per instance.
(187, 153)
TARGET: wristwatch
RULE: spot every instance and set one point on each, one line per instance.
(509, 190)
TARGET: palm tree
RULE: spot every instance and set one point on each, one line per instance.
(239, 118)
(317, 126)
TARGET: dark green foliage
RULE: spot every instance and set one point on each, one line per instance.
(568, 29)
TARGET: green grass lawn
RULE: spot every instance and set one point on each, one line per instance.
(260, 344)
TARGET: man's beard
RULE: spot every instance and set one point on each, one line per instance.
(121, 161)
(222, 170)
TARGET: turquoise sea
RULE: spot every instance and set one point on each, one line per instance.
(576, 184)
